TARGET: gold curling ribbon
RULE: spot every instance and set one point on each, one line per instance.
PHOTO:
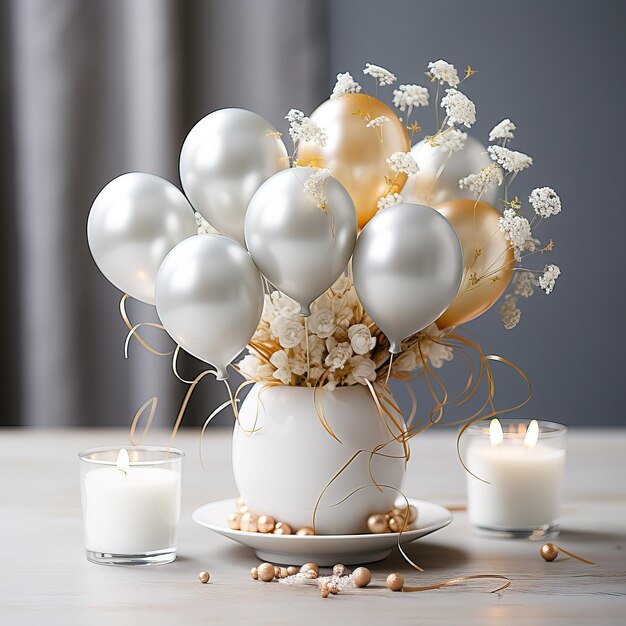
(461, 579)
(133, 328)
(575, 556)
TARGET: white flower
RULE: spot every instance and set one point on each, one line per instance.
(403, 162)
(315, 186)
(338, 354)
(302, 128)
(524, 284)
(516, 230)
(378, 121)
(444, 72)
(545, 201)
(253, 367)
(548, 278)
(487, 177)
(503, 130)
(204, 228)
(322, 323)
(384, 77)
(459, 108)
(510, 160)
(406, 361)
(341, 285)
(390, 200)
(361, 369)
(345, 84)
(452, 140)
(410, 96)
(291, 334)
(509, 312)
(280, 360)
(361, 339)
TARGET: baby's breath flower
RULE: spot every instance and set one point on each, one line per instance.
(403, 163)
(390, 200)
(315, 186)
(516, 230)
(452, 140)
(503, 130)
(204, 228)
(443, 72)
(378, 121)
(383, 76)
(459, 108)
(302, 128)
(509, 312)
(410, 96)
(548, 278)
(545, 201)
(485, 179)
(524, 284)
(345, 84)
(510, 160)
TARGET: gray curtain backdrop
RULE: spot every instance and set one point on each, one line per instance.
(91, 89)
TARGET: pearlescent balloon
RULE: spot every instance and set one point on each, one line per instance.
(407, 269)
(426, 188)
(225, 158)
(299, 247)
(133, 223)
(209, 297)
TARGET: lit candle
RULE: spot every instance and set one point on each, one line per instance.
(517, 476)
(131, 504)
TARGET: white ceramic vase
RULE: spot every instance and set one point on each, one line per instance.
(283, 467)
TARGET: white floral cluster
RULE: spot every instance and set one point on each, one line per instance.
(510, 160)
(459, 108)
(383, 76)
(545, 201)
(409, 96)
(524, 284)
(450, 140)
(502, 131)
(345, 84)
(510, 312)
(389, 200)
(443, 72)
(517, 231)
(548, 278)
(403, 163)
(378, 121)
(429, 347)
(315, 186)
(485, 179)
(204, 228)
(303, 128)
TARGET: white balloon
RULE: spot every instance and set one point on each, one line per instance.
(407, 269)
(225, 158)
(300, 247)
(209, 297)
(133, 223)
(426, 188)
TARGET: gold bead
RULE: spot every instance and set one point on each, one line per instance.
(239, 502)
(395, 582)
(549, 551)
(307, 566)
(396, 523)
(311, 574)
(254, 574)
(361, 577)
(283, 572)
(333, 589)
(276, 571)
(340, 570)
(377, 523)
(305, 530)
(234, 521)
(266, 523)
(324, 591)
(395, 511)
(292, 570)
(265, 572)
(249, 522)
(282, 529)
(204, 577)
(244, 508)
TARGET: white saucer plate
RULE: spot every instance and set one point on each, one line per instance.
(322, 549)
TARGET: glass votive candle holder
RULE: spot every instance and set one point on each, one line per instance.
(131, 504)
(516, 480)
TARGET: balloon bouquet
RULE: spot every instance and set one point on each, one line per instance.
(440, 252)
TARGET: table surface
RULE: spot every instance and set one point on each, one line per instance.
(45, 578)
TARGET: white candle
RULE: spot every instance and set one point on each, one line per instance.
(525, 477)
(130, 509)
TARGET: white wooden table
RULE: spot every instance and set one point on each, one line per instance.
(45, 578)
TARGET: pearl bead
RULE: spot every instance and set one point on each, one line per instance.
(276, 571)
(265, 572)
(204, 577)
(401, 510)
(324, 591)
(234, 521)
(292, 570)
(249, 522)
(282, 529)
(549, 551)
(340, 569)
(239, 502)
(396, 523)
(307, 566)
(305, 530)
(254, 574)
(377, 523)
(412, 514)
(266, 523)
(244, 508)
(361, 577)
(395, 582)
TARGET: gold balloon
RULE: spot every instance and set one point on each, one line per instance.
(485, 277)
(356, 153)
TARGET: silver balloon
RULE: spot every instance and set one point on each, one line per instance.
(426, 188)
(209, 297)
(223, 161)
(407, 269)
(300, 248)
(133, 223)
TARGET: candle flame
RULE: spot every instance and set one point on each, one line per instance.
(496, 436)
(532, 434)
(123, 461)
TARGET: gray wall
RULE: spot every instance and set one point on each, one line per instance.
(556, 69)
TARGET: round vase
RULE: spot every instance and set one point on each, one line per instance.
(290, 460)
